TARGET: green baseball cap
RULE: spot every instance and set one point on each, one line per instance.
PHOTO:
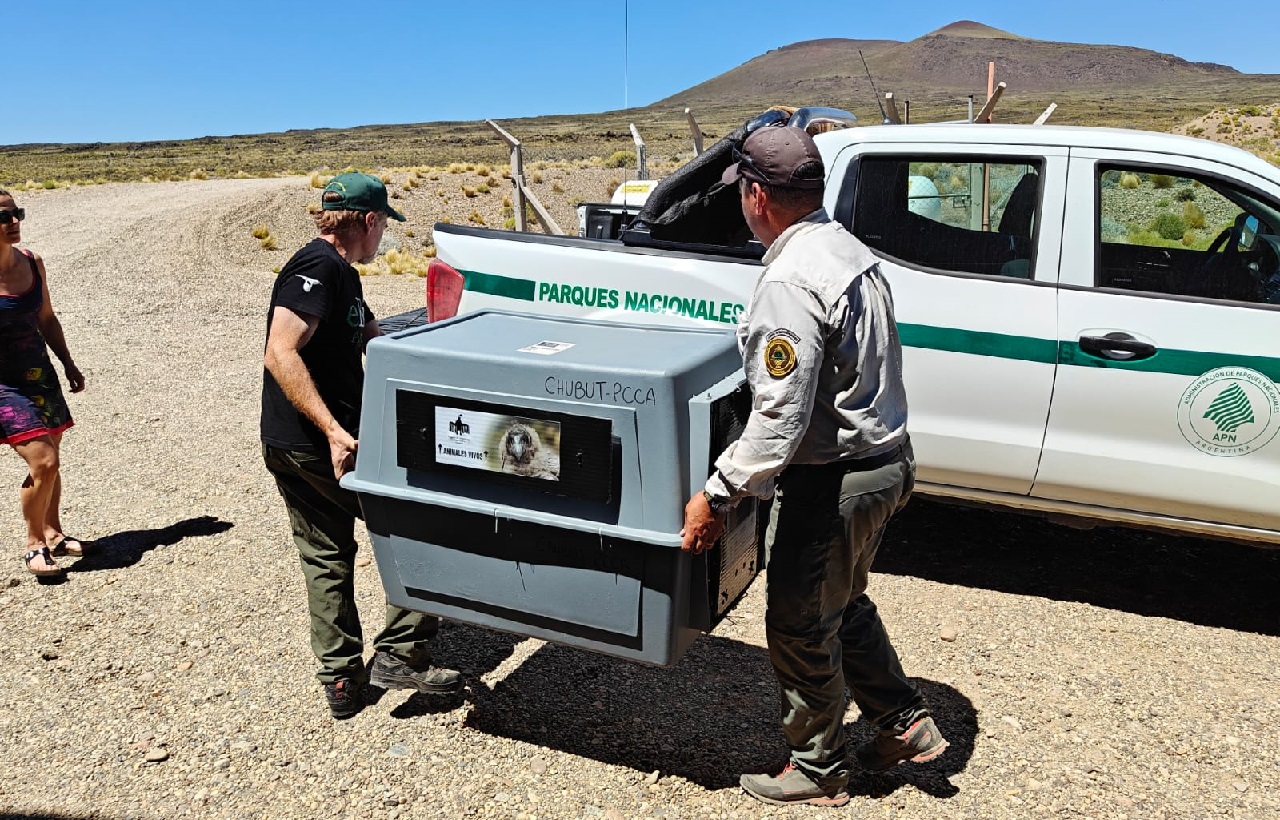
(358, 192)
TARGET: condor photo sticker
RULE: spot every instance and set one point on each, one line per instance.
(1231, 411)
(780, 353)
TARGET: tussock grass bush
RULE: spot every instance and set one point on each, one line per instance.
(268, 243)
(1161, 181)
(385, 179)
(611, 186)
(398, 262)
(409, 232)
(1185, 195)
(506, 202)
(1192, 215)
(468, 192)
(482, 188)
(198, 173)
(1168, 226)
(319, 181)
(509, 224)
(1189, 238)
(1129, 181)
(475, 217)
(557, 187)
(261, 231)
(483, 170)
(536, 176)
(621, 159)
(456, 168)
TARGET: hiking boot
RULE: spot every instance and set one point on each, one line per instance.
(388, 673)
(791, 786)
(920, 743)
(345, 697)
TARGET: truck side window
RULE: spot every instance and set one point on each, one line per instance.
(1172, 233)
(950, 214)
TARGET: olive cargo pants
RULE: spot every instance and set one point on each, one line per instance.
(823, 632)
(322, 515)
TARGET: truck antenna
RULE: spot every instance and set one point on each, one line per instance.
(883, 116)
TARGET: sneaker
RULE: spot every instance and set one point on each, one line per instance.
(345, 697)
(388, 673)
(920, 743)
(791, 786)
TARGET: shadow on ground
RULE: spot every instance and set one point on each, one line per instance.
(1211, 583)
(708, 720)
(124, 549)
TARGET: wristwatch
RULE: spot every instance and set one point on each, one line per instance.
(719, 506)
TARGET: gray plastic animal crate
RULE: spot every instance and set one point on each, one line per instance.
(529, 473)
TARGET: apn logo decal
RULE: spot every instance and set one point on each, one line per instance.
(1231, 411)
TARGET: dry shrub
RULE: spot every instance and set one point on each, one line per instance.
(268, 243)
(1189, 238)
(1129, 181)
(483, 170)
(537, 176)
(557, 187)
(199, 173)
(468, 191)
(1192, 215)
(621, 159)
(261, 231)
(318, 181)
(612, 186)
(476, 217)
(482, 188)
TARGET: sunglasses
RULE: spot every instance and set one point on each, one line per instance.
(745, 161)
(8, 216)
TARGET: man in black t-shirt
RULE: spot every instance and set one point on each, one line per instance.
(317, 328)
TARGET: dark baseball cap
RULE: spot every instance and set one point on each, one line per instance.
(778, 155)
(358, 192)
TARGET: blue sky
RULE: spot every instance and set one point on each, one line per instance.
(98, 71)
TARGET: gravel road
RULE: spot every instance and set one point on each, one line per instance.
(1106, 673)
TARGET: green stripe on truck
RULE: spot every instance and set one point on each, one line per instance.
(495, 285)
(1174, 362)
(979, 343)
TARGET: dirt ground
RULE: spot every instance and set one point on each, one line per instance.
(1105, 673)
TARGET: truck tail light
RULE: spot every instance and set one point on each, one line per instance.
(444, 291)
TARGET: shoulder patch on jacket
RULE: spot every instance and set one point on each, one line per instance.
(780, 353)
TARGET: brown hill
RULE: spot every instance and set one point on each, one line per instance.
(952, 59)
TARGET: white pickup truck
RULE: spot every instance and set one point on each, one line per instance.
(1091, 316)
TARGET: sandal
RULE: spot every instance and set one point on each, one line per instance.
(50, 567)
(64, 547)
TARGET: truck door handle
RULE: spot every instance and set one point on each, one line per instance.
(1118, 346)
